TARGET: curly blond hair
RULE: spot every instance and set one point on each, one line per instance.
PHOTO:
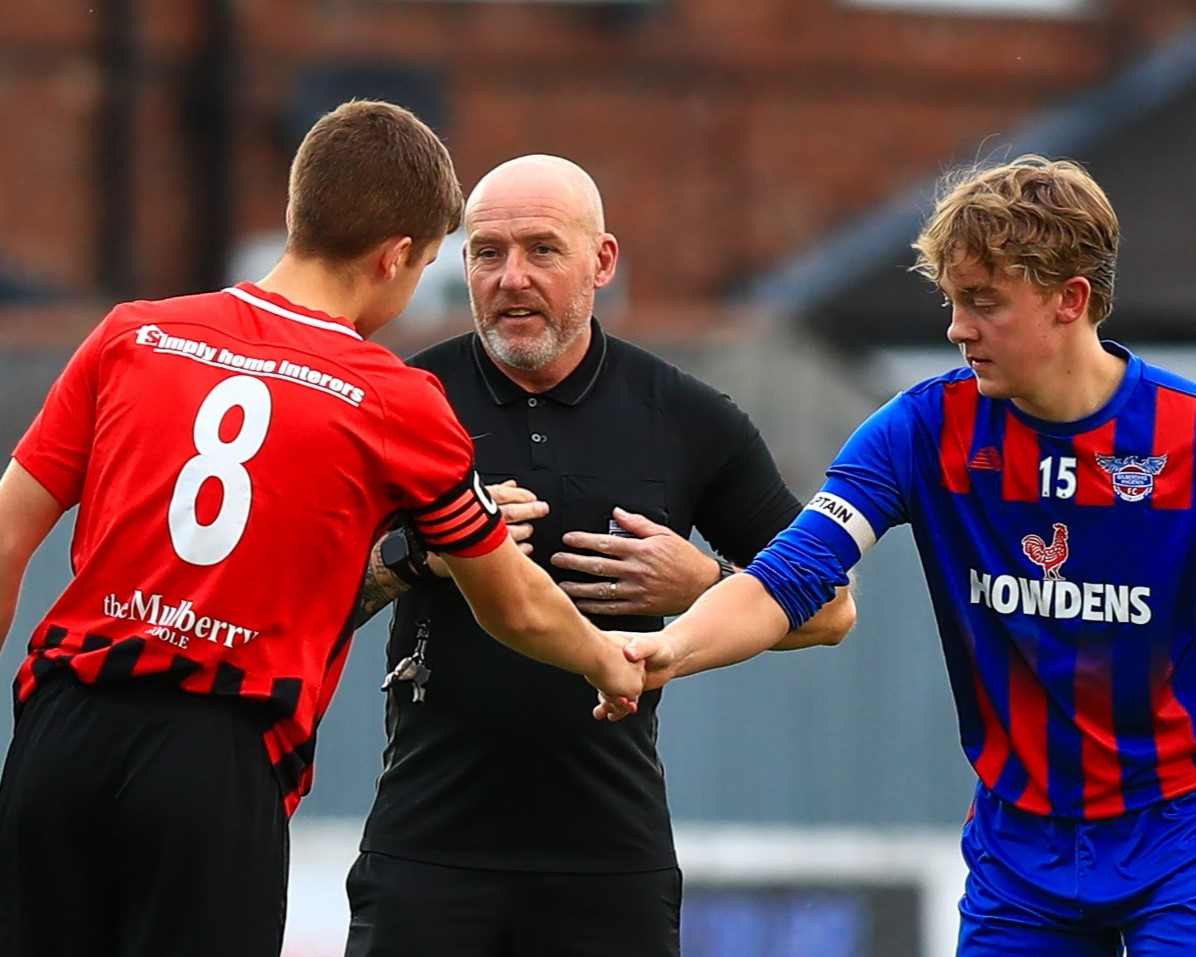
(1043, 220)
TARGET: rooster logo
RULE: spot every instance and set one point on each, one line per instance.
(1049, 558)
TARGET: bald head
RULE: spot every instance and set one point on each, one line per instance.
(536, 252)
(539, 183)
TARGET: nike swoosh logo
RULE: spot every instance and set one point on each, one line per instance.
(474, 438)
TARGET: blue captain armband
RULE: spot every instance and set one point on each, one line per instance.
(847, 516)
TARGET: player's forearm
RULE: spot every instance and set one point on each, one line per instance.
(517, 603)
(541, 622)
(734, 621)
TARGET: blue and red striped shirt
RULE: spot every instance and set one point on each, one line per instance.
(1061, 563)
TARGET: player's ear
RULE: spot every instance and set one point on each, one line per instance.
(395, 253)
(1074, 297)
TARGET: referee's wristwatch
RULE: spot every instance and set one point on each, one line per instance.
(725, 568)
(405, 556)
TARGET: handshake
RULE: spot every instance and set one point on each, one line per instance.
(632, 664)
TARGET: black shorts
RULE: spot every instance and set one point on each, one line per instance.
(139, 822)
(403, 908)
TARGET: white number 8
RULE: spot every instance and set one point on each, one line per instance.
(225, 462)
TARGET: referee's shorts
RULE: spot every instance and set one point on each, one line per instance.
(403, 908)
(139, 823)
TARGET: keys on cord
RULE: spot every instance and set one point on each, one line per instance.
(413, 667)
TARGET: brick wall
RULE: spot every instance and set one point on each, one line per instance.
(724, 135)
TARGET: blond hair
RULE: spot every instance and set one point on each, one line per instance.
(1043, 220)
(367, 171)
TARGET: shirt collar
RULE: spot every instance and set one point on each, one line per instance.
(278, 305)
(569, 391)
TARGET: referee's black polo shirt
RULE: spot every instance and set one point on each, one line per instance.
(502, 766)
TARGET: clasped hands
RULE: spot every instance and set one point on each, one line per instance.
(654, 654)
(650, 571)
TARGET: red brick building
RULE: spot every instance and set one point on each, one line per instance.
(143, 138)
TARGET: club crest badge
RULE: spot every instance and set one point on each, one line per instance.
(1133, 475)
(1049, 558)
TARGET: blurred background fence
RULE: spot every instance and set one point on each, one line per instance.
(764, 164)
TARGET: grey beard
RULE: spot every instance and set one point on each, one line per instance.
(527, 357)
(531, 357)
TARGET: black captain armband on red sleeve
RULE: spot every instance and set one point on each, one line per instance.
(462, 521)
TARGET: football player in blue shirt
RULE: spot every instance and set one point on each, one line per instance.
(1049, 487)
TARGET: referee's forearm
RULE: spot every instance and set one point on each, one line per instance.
(380, 587)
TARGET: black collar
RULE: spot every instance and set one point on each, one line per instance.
(569, 391)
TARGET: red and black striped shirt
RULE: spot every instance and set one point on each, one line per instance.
(234, 457)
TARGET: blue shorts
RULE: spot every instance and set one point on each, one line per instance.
(1057, 887)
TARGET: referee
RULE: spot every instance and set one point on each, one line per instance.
(507, 821)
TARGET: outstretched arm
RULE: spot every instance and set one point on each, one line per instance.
(27, 513)
(801, 575)
(734, 621)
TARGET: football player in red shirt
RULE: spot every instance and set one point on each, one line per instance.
(226, 451)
